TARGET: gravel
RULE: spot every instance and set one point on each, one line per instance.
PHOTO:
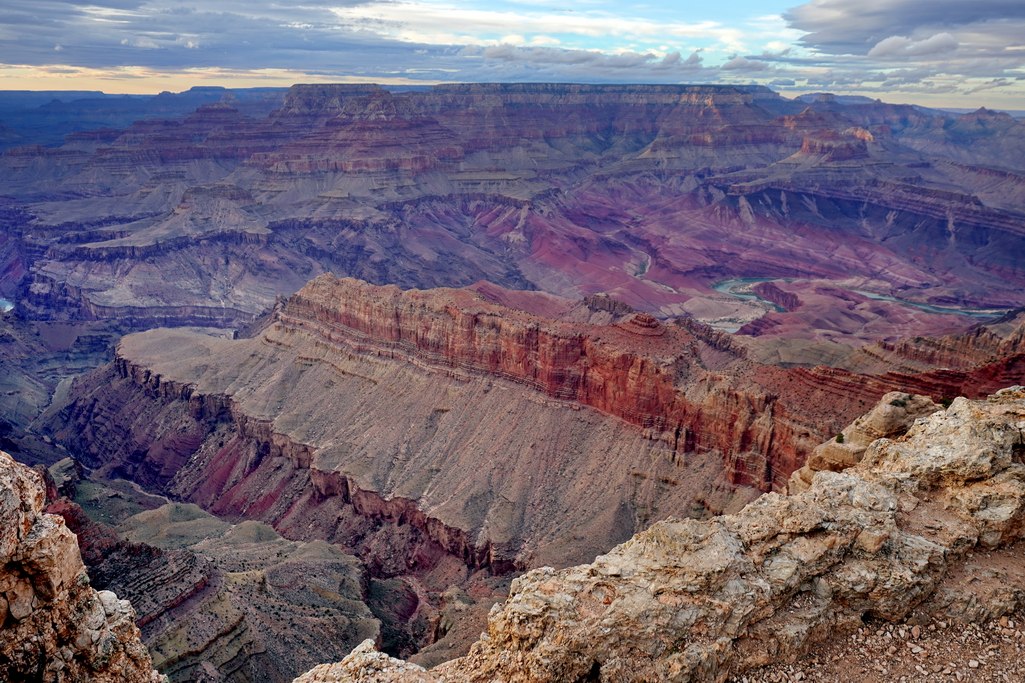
(906, 653)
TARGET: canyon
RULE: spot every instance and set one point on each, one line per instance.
(881, 221)
(446, 439)
(648, 193)
(408, 344)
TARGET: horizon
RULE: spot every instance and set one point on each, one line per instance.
(85, 92)
(943, 53)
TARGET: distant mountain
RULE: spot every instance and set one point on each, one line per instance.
(47, 117)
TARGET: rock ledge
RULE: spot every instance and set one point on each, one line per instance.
(886, 538)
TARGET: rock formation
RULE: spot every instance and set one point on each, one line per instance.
(650, 193)
(891, 418)
(415, 389)
(215, 601)
(694, 600)
(55, 626)
(449, 436)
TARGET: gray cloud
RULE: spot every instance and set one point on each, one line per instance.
(549, 56)
(885, 45)
(239, 35)
(739, 63)
(167, 34)
(844, 27)
(902, 46)
(910, 46)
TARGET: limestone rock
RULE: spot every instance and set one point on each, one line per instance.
(55, 626)
(700, 600)
(366, 664)
(892, 416)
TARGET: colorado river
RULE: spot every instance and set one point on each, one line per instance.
(741, 288)
(946, 310)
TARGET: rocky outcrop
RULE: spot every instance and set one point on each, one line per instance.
(769, 291)
(699, 601)
(891, 418)
(55, 626)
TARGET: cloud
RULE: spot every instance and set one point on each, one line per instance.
(954, 46)
(739, 63)
(546, 56)
(904, 47)
(354, 38)
(897, 45)
(844, 27)
(992, 84)
(440, 23)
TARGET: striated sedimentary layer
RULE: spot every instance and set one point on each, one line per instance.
(701, 600)
(236, 603)
(216, 601)
(650, 193)
(56, 627)
(437, 431)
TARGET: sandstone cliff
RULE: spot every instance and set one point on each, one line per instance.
(698, 601)
(55, 626)
(437, 418)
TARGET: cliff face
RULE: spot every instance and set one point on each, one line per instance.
(628, 369)
(55, 626)
(699, 601)
(469, 430)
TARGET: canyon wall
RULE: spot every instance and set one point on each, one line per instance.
(650, 193)
(478, 434)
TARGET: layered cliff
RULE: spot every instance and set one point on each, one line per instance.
(699, 601)
(365, 407)
(653, 194)
(417, 390)
(55, 626)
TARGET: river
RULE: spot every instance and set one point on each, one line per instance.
(741, 288)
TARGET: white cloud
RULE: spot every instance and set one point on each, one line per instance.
(427, 22)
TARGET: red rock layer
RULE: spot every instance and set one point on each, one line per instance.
(628, 370)
(762, 420)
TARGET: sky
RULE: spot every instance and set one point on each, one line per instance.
(955, 53)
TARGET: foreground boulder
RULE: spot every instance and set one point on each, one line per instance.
(55, 626)
(690, 600)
